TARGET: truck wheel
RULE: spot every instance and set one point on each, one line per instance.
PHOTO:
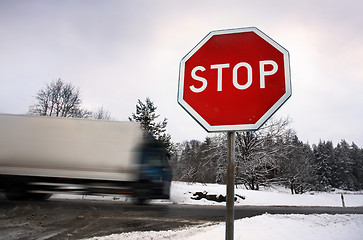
(141, 196)
(39, 196)
(17, 189)
(17, 195)
(24, 196)
(141, 201)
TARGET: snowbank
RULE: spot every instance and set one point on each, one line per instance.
(275, 196)
(181, 193)
(279, 227)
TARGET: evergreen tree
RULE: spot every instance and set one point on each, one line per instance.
(356, 154)
(344, 167)
(147, 117)
(297, 170)
(324, 160)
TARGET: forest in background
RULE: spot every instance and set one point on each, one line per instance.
(272, 155)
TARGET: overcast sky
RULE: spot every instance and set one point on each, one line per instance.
(119, 51)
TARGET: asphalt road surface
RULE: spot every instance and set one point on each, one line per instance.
(77, 219)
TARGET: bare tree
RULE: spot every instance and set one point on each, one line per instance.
(203, 162)
(214, 158)
(257, 152)
(59, 99)
(101, 113)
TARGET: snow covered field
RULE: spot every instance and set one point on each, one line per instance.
(181, 193)
(293, 226)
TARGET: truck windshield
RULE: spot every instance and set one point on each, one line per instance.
(157, 159)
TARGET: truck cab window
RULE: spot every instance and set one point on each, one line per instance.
(156, 159)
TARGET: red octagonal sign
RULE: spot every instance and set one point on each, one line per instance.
(234, 80)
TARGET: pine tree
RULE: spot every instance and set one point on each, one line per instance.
(356, 154)
(345, 178)
(296, 169)
(324, 160)
(147, 117)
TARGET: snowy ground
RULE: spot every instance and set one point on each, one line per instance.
(181, 193)
(271, 227)
(293, 226)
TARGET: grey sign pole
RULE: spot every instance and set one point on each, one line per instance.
(230, 185)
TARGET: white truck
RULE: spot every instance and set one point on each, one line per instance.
(40, 156)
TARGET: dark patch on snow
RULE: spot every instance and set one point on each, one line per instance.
(213, 197)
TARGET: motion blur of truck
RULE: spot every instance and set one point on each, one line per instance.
(40, 156)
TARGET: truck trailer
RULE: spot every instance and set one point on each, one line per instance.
(40, 156)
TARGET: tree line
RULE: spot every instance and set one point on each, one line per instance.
(272, 155)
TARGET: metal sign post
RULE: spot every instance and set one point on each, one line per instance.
(231, 166)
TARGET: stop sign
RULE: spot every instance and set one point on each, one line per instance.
(234, 80)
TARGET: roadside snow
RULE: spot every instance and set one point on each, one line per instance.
(279, 227)
(182, 192)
